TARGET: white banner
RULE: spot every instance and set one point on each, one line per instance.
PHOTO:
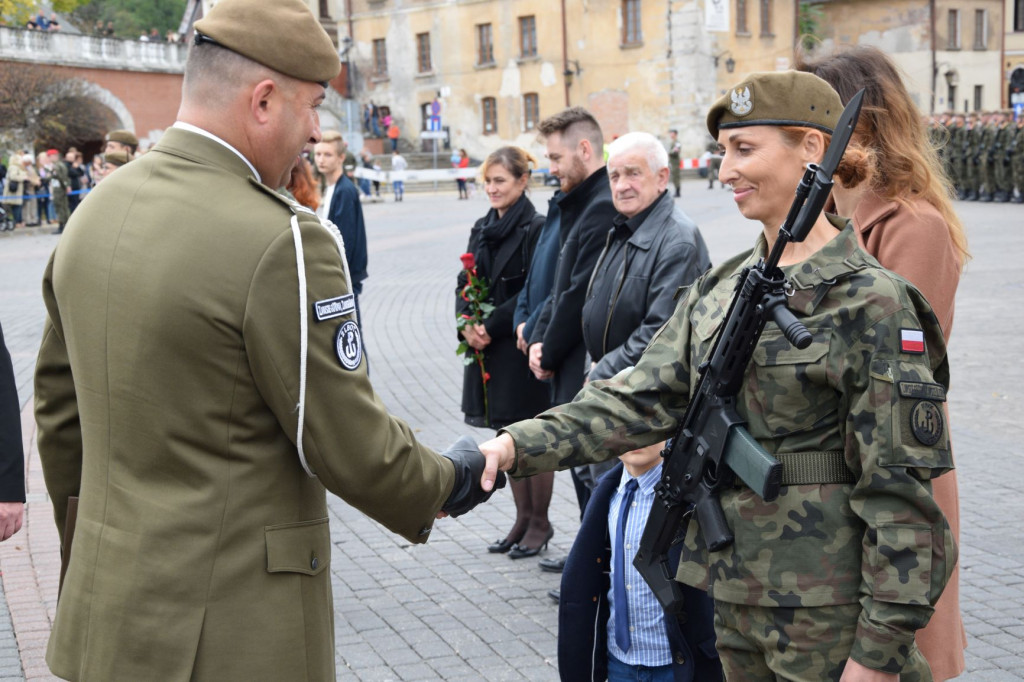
(422, 175)
(716, 15)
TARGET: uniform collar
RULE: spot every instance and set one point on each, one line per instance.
(181, 125)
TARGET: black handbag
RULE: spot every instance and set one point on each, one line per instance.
(12, 186)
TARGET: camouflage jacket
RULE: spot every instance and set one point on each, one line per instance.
(860, 388)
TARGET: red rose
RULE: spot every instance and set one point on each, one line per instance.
(468, 261)
(487, 377)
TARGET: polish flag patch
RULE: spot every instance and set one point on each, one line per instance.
(912, 341)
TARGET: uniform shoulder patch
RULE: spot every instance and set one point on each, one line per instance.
(912, 341)
(330, 308)
(926, 422)
(348, 345)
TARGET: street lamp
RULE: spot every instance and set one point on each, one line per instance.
(569, 73)
(730, 63)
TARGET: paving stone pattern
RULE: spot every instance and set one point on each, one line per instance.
(450, 611)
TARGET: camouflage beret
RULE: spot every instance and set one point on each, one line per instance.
(116, 158)
(777, 98)
(282, 35)
(124, 137)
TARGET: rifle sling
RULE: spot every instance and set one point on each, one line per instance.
(814, 468)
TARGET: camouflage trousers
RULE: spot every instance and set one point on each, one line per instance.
(762, 644)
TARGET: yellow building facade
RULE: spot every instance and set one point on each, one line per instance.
(497, 67)
(949, 50)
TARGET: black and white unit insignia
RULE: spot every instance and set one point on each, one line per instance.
(348, 344)
(926, 422)
(334, 307)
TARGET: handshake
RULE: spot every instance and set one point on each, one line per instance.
(476, 474)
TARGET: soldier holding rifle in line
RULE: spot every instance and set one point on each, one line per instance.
(830, 576)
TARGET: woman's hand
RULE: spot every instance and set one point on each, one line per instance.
(855, 672)
(482, 335)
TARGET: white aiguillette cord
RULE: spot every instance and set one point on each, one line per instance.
(300, 268)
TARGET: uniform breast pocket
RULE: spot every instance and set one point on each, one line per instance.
(787, 389)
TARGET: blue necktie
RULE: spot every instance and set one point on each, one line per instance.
(622, 637)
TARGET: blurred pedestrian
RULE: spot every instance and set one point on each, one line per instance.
(340, 204)
(46, 214)
(393, 134)
(17, 185)
(76, 173)
(460, 163)
(121, 140)
(398, 167)
(12, 450)
(60, 184)
(499, 388)
(675, 156)
(30, 209)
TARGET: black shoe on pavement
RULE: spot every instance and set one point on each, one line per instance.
(556, 595)
(552, 565)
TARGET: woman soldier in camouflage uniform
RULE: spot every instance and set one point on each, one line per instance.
(831, 579)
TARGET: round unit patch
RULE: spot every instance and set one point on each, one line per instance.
(348, 344)
(926, 422)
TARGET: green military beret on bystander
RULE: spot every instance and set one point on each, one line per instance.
(116, 158)
(777, 98)
(282, 35)
(124, 137)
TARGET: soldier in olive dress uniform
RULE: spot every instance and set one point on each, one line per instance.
(832, 578)
(59, 184)
(201, 384)
(1017, 161)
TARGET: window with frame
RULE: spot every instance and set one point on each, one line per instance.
(741, 17)
(528, 36)
(490, 112)
(953, 36)
(766, 18)
(1018, 15)
(380, 58)
(631, 33)
(484, 44)
(531, 110)
(977, 97)
(423, 63)
(980, 29)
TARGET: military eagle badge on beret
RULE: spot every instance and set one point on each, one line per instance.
(741, 104)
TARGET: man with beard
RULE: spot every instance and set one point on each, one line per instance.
(557, 353)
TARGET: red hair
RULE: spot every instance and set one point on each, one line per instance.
(301, 184)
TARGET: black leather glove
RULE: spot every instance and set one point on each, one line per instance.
(469, 467)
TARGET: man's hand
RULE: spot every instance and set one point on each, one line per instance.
(855, 672)
(482, 336)
(520, 341)
(500, 453)
(536, 352)
(11, 516)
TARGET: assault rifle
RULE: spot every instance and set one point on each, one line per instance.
(711, 444)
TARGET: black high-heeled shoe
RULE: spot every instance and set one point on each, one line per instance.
(521, 552)
(502, 546)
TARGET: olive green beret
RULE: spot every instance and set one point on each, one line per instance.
(116, 158)
(280, 34)
(124, 137)
(777, 98)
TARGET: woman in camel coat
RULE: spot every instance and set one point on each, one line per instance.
(905, 219)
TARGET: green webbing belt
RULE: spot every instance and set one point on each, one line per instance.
(807, 468)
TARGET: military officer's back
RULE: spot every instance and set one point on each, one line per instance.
(201, 382)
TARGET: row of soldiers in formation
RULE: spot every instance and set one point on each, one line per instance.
(983, 153)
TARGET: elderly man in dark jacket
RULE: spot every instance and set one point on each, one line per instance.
(651, 250)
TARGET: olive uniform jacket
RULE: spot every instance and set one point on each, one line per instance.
(169, 397)
(869, 389)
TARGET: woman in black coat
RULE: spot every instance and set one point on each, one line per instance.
(502, 243)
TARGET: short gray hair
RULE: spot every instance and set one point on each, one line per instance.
(653, 151)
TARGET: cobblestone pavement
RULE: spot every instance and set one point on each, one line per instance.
(448, 610)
